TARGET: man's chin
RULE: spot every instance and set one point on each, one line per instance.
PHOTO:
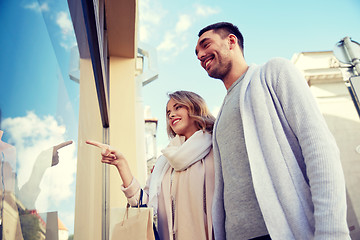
(214, 75)
(211, 74)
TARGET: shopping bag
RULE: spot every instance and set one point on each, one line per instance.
(131, 223)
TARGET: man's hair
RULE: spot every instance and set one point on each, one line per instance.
(197, 109)
(224, 29)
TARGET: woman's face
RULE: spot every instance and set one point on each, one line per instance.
(179, 120)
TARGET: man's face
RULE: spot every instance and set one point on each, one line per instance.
(214, 55)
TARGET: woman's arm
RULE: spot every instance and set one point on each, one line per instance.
(116, 158)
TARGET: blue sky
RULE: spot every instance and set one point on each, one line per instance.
(37, 38)
(277, 28)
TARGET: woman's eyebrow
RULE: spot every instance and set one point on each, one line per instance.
(174, 106)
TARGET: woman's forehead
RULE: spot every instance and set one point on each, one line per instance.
(170, 103)
(173, 103)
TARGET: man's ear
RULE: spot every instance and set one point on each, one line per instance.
(232, 39)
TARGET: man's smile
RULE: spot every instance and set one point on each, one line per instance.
(206, 62)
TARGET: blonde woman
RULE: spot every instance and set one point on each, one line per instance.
(181, 186)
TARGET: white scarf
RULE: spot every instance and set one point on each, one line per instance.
(180, 155)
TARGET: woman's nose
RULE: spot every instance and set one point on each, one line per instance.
(171, 115)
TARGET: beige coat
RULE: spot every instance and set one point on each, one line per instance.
(192, 191)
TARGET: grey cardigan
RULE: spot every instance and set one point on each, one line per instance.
(294, 159)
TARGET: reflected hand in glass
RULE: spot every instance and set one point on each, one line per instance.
(55, 156)
(31, 190)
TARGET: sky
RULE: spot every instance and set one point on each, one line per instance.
(277, 28)
(39, 102)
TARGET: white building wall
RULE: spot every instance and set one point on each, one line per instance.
(63, 235)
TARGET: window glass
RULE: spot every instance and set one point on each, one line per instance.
(39, 103)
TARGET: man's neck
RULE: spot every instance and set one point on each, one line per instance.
(233, 76)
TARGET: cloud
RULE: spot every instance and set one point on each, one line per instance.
(168, 43)
(175, 40)
(65, 24)
(151, 22)
(144, 33)
(67, 30)
(151, 12)
(183, 24)
(33, 136)
(62, 20)
(44, 7)
(171, 46)
(151, 15)
(205, 11)
(68, 45)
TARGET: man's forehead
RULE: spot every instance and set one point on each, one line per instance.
(207, 34)
(203, 37)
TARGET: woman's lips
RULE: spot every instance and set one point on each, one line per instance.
(175, 121)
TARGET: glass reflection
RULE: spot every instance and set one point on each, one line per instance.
(38, 120)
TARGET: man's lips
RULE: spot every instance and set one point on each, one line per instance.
(207, 62)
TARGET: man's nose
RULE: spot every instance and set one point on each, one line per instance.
(200, 55)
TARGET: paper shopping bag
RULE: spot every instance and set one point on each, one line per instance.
(131, 224)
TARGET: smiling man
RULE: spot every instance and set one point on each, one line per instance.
(278, 173)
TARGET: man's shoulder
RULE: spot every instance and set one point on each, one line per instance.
(277, 62)
(277, 65)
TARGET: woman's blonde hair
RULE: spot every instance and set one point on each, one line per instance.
(197, 109)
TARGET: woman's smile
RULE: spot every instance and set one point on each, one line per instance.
(175, 121)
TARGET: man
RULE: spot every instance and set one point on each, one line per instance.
(277, 166)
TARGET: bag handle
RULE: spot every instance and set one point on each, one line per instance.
(139, 205)
(140, 198)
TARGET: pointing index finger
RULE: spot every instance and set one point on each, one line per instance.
(96, 144)
(61, 145)
(105, 149)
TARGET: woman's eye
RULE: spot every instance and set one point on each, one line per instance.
(178, 107)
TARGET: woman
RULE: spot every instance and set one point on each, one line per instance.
(181, 186)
